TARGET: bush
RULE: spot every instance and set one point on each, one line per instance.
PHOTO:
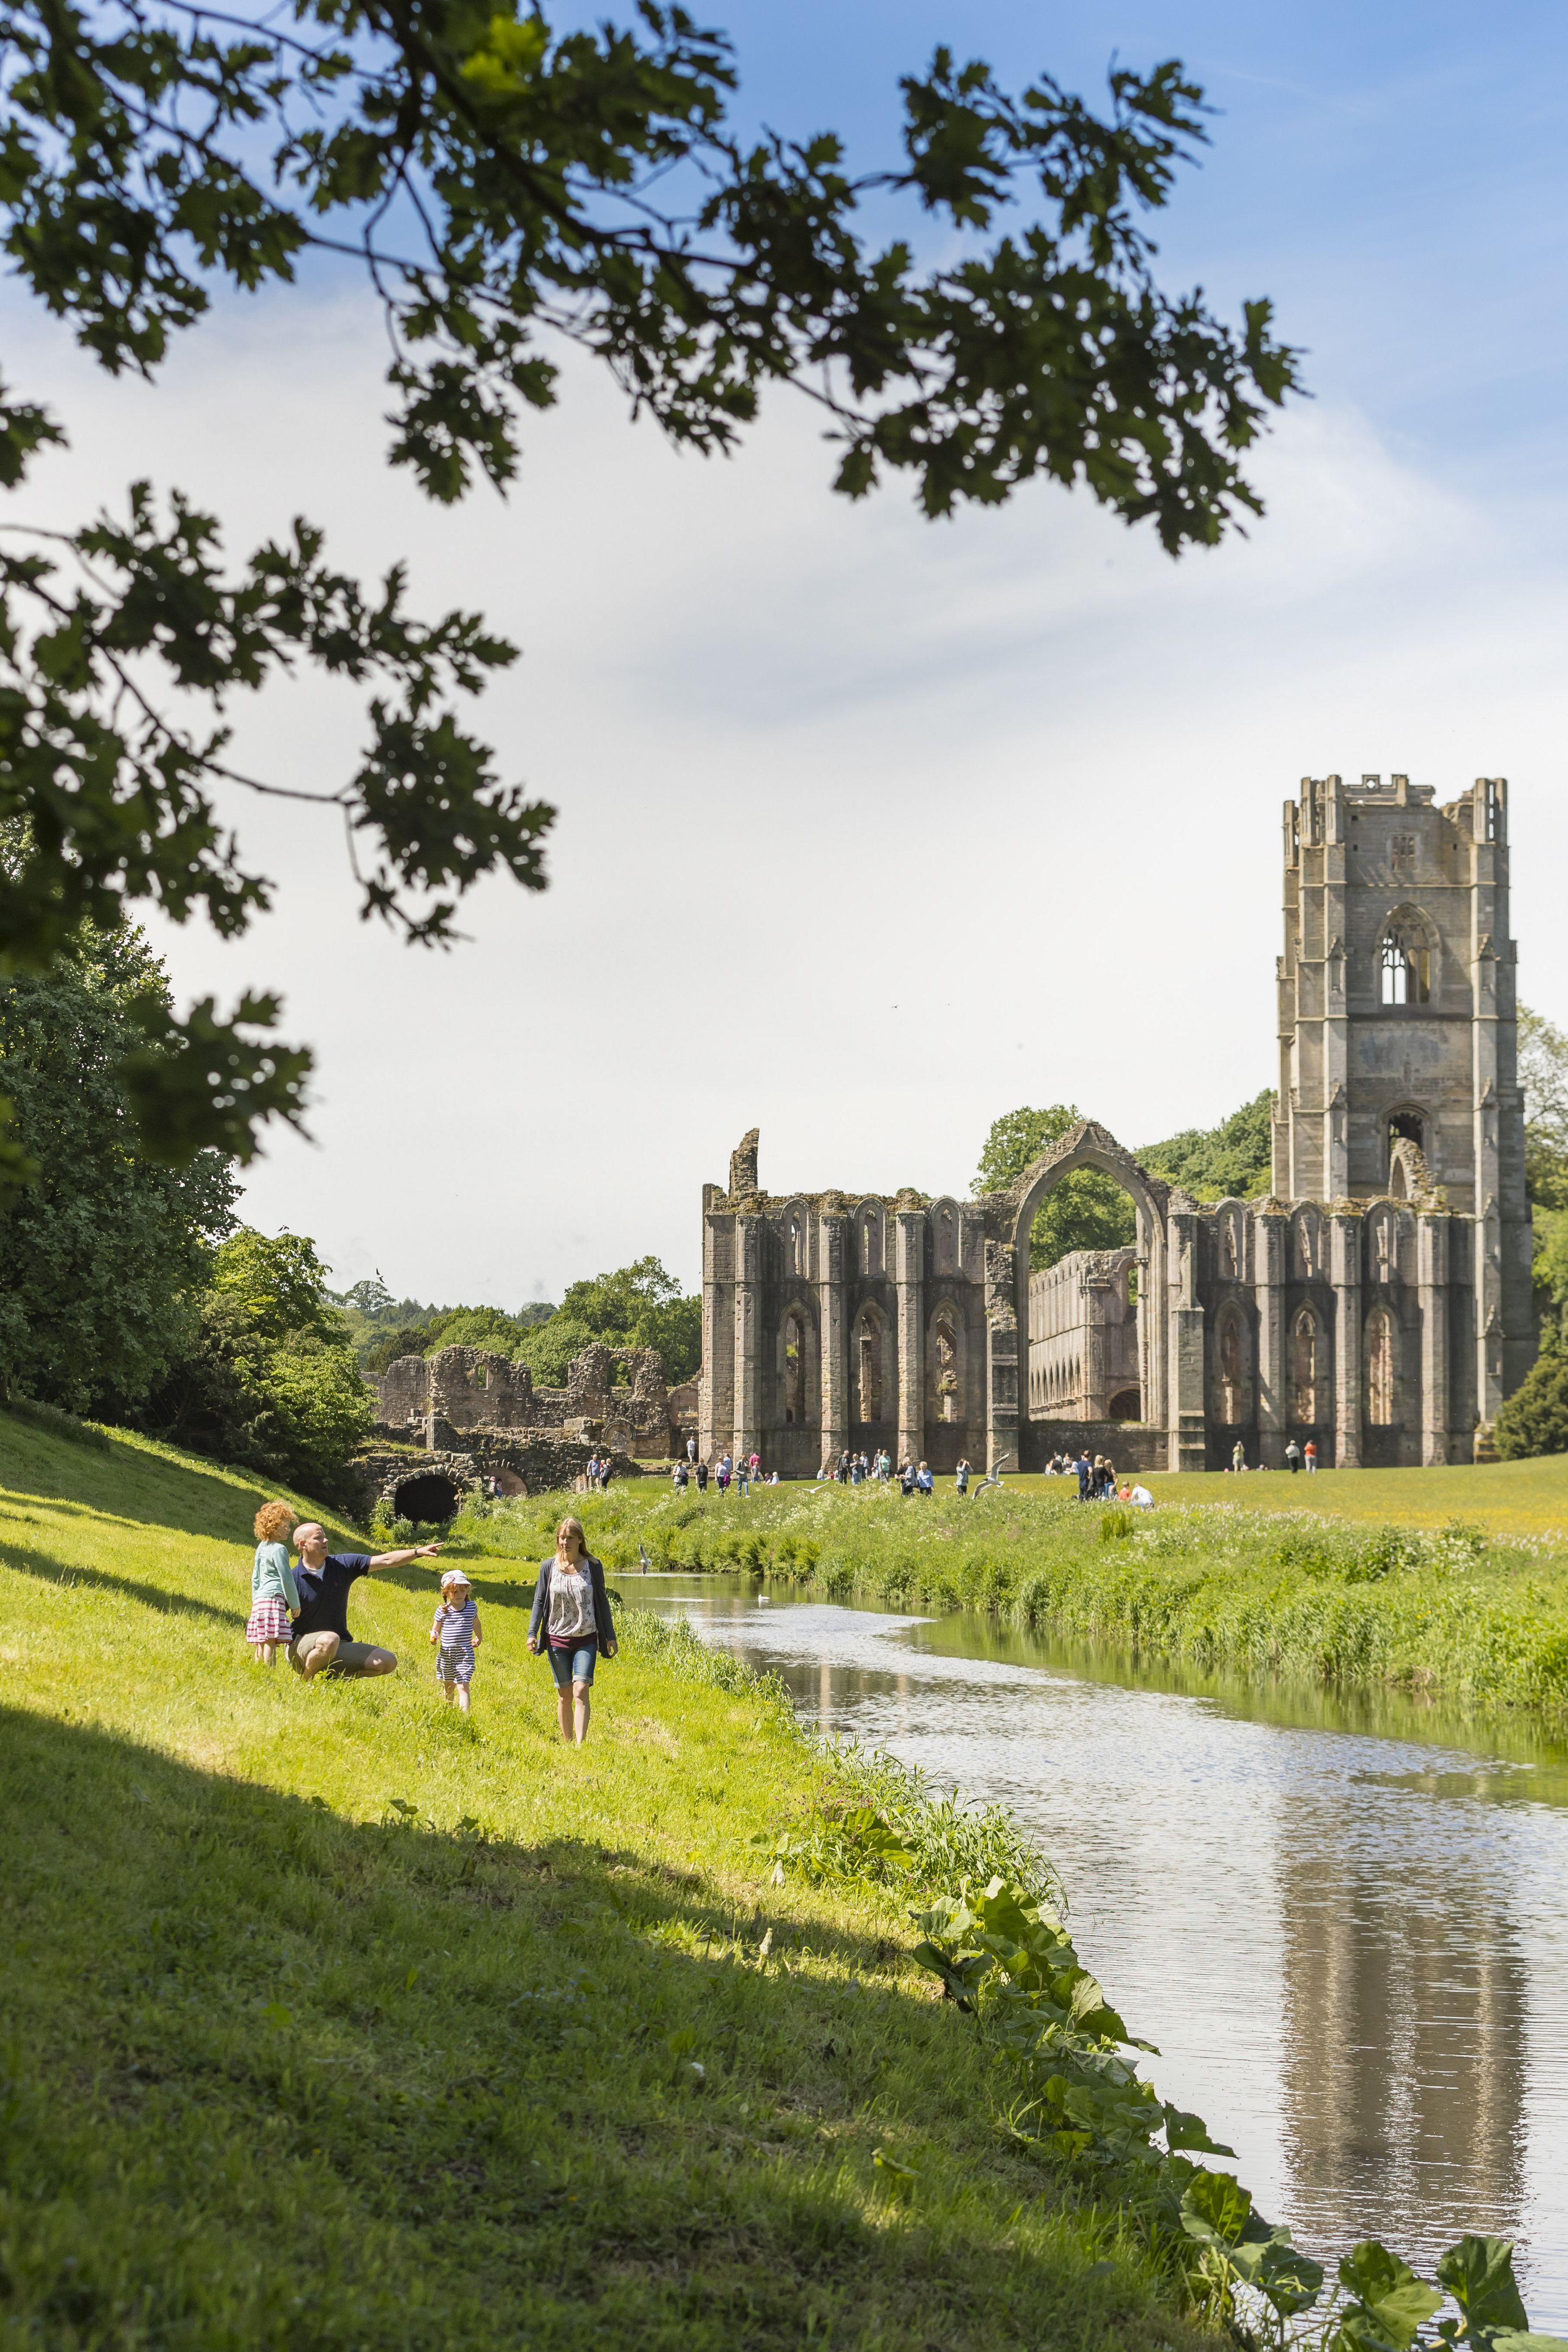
(1535, 1418)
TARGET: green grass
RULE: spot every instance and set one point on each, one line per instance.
(1481, 1618)
(1504, 1497)
(331, 2020)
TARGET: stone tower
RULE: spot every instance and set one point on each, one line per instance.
(1398, 1029)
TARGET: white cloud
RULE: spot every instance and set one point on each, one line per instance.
(870, 828)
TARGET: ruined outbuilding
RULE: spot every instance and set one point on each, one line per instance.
(1378, 1301)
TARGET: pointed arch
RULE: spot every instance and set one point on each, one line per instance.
(1232, 1382)
(1406, 957)
(1382, 1368)
(1308, 1369)
(871, 1385)
(1088, 1145)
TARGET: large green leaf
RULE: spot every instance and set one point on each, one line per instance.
(1291, 2279)
(1183, 2130)
(1393, 2299)
(1216, 2211)
(1478, 2274)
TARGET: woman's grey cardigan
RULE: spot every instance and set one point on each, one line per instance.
(539, 1621)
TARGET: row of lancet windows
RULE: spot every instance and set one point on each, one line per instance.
(1311, 1402)
(867, 1367)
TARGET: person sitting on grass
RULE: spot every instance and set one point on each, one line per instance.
(273, 1597)
(456, 1633)
(570, 1620)
(321, 1637)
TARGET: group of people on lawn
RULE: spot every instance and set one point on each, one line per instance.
(303, 1607)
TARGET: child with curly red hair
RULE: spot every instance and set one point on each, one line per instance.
(273, 1595)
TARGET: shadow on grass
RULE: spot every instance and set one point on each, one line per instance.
(148, 1489)
(472, 2091)
(47, 1569)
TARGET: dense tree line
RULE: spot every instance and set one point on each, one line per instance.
(638, 1306)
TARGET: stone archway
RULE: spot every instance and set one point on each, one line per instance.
(429, 1498)
(1088, 1145)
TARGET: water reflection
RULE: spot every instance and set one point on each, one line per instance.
(1339, 1921)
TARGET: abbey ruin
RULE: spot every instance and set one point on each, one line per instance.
(1378, 1301)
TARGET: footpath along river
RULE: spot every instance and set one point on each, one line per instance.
(1344, 1922)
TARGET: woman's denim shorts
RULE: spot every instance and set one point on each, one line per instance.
(572, 1666)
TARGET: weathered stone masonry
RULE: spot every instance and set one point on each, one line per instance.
(1378, 1301)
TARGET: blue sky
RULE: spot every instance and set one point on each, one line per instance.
(871, 829)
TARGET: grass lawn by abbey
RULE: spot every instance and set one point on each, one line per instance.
(332, 2020)
(1504, 1497)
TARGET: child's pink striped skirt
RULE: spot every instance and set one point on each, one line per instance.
(268, 1621)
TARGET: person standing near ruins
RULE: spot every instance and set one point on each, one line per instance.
(702, 1478)
(1238, 1456)
(1310, 1454)
(1293, 1456)
(960, 1475)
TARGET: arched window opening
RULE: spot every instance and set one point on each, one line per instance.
(946, 1368)
(795, 1369)
(1380, 1370)
(1305, 1368)
(1405, 964)
(1408, 1126)
(1230, 1371)
(868, 1370)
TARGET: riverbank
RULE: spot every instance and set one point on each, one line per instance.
(1480, 1617)
(333, 2019)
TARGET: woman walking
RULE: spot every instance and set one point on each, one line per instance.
(571, 1618)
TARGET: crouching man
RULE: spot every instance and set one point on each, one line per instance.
(318, 1638)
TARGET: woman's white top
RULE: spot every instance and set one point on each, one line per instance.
(571, 1604)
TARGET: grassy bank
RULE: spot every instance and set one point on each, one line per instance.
(1480, 1617)
(332, 2020)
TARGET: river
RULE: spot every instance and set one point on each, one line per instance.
(1342, 1922)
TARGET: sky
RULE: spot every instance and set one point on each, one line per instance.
(871, 829)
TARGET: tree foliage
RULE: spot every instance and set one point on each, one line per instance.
(504, 185)
(1084, 1210)
(638, 1306)
(102, 1253)
(1232, 1161)
(1534, 1419)
(1543, 1075)
(269, 1381)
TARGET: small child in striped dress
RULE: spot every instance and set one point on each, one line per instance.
(453, 1633)
(273, 1595)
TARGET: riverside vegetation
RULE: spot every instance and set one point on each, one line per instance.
(1481, 1617)
(412, 2028)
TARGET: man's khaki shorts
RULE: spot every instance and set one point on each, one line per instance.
(347, 1657)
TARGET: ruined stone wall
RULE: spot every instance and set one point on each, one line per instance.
(469, 1389)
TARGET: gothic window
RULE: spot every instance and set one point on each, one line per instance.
(868, 1368)
(794, 1367)
(946, 1368)
(1404, 853)
(1306, 1369)
(796, 1254)
(1404, 962)
(1310, 1265)
(1380, 1368)
(1230, 1369)
(1494, 812)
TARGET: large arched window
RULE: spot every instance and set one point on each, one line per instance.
(1381, 1367)
(1404, 962)
(944, 1367)
(795, 1367)
(1232, 1369)
(1305, 1367)
(866, 1361)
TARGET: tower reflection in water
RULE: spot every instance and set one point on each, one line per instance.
(1406, 2033)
